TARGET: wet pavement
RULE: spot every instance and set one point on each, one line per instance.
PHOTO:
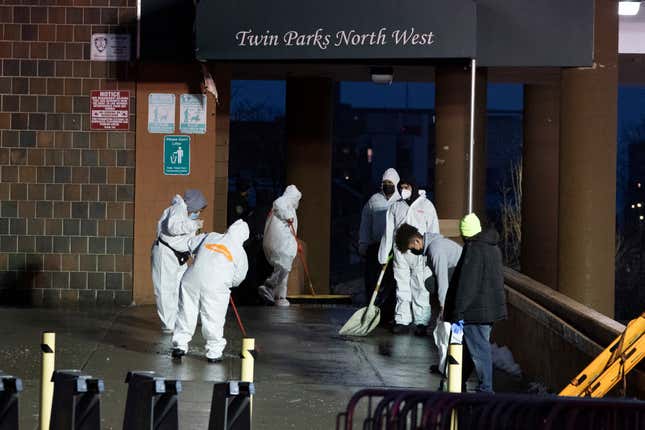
(305, 372)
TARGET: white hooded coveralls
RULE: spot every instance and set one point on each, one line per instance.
(410, 271)
(175, 228)
(220, 264)
(373, 215)
(279, 243)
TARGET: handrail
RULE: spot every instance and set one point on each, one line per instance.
(596, 326)
(585, 329)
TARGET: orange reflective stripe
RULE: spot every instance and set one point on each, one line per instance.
(216, 247)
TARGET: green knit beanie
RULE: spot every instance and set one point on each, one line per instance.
(470, 225)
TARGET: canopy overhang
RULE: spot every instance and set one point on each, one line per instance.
(335, 30)
(499, 33)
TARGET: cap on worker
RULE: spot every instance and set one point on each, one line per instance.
(195, 200)
(470, 225)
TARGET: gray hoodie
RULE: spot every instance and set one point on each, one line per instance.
(443, 255)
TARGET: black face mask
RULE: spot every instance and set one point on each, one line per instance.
(388, 189)
(416, 251)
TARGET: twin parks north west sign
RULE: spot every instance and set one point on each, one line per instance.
(323, 41)
(335, 29)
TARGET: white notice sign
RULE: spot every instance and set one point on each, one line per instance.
(192, 111)
(161, 113)
(110, 47)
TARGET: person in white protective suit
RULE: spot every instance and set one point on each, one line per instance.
(371, 231)
(220, 264)
(169, 253)
(410, 270)
(443, 256)
(280, 245)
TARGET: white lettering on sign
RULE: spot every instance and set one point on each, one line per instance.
(247, 38)
(317, 39)
(353, 38)
(109, 110)
(411, 37)
(342, 38)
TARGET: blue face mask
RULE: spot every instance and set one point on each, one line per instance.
(194, 215)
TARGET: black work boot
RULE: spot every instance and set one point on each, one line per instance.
(400, 329)
(177, 354)
(421, 330)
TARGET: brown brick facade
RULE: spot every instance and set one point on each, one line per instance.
(66, 193)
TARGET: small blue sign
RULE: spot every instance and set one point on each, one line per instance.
(161, 113)
(176, 155)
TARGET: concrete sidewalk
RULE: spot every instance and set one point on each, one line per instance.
(305, 373)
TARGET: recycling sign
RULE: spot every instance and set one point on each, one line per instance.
(176, 155)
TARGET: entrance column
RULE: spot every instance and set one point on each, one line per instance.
(588, 170)
(154, 190)
(452, 142)
(309, 150)
(540, 183)
(222, 73)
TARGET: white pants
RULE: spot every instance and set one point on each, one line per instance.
(209, 302)
(441, 336)
(278, 282)
(166, 277)
(412, 297)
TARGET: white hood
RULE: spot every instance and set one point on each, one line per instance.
(391, 175)
(238, 232)
(293, 195)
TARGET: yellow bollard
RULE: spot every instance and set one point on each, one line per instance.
(455, 356)
(48, 347)
(248, 364)
(248, 361)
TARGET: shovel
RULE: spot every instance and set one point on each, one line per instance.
(365, 319)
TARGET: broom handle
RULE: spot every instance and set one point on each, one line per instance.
(302, 260)
(380, 279)
(237, 315)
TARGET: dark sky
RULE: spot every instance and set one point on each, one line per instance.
(631, 99)
(631, 102)
(369, 95)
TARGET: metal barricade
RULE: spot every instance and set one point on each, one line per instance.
(231, 406)
(77, 401)
(151, 403)
(416, 409)
(10, 387)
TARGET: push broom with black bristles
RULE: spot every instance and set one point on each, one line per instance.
(313, 297)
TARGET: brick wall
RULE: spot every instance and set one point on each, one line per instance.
(66, 193)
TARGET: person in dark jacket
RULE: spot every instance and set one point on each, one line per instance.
(476, 297)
